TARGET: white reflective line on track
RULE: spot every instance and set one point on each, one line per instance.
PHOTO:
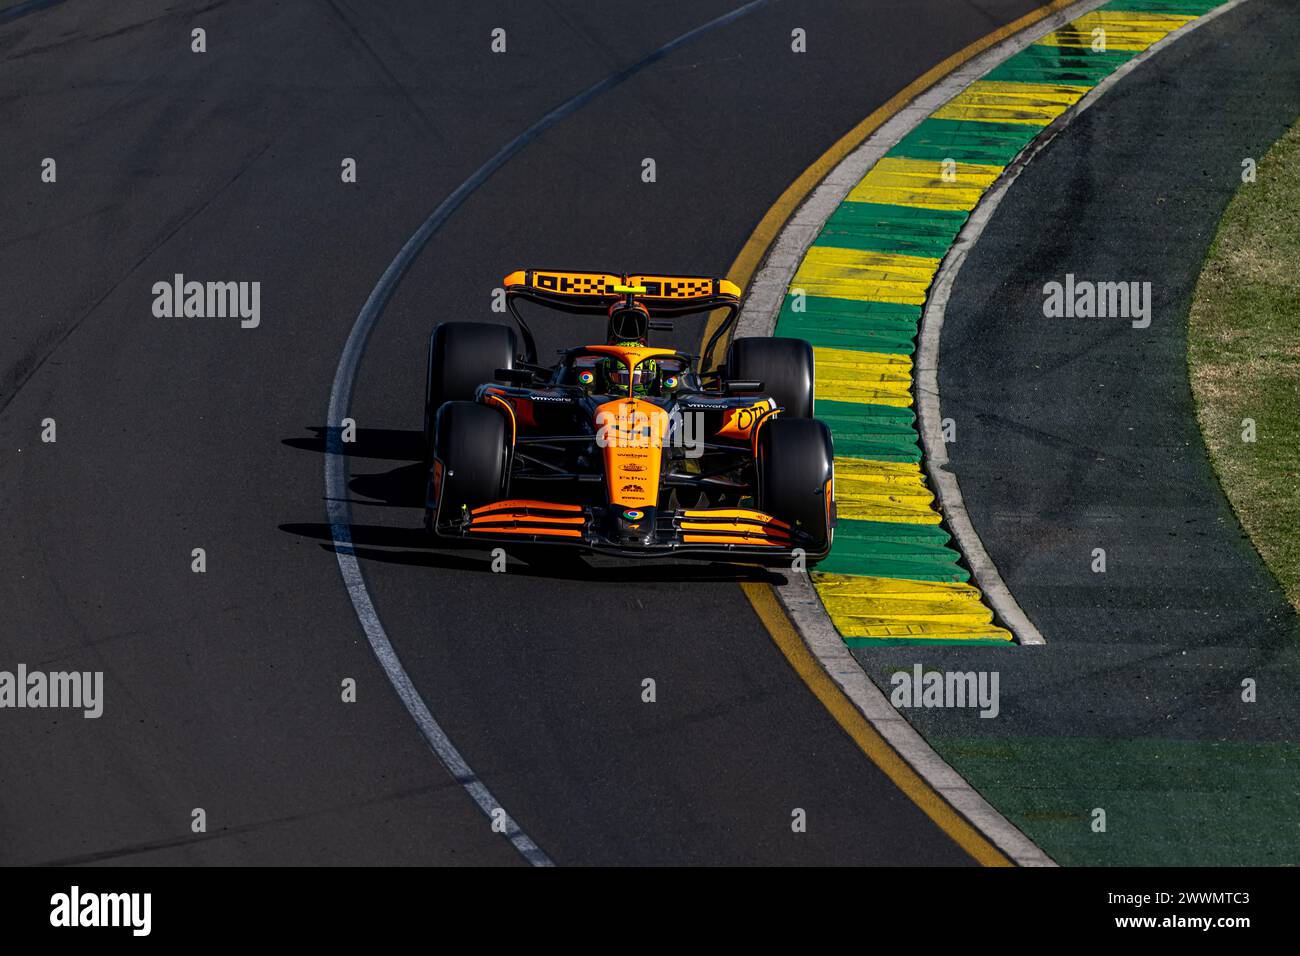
(340, 517)
(339, 507)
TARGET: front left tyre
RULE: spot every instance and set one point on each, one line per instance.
(470, 464)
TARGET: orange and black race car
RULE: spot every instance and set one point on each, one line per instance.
(623, 448)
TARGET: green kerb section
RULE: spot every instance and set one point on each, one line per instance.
(966, 141)
(903, 230)
(1167, 802)
(861, 642)
(1187, 8)
(873, 432)
(1049, 64)
(849, 324)
(888, 549)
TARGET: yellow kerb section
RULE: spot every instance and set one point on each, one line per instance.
(924, 183)
(865, 276)
(871, 378)
(892, 608)
(883, 491)
(1000, 101)
(1123, 30)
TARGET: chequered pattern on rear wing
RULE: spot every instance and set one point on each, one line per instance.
(605, 285)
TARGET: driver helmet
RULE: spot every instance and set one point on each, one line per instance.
(641, 377)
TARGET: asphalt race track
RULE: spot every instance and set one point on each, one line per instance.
(223, 688)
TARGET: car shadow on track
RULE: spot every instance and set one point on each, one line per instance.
(394, 444)
(413, 546)
(403, 487)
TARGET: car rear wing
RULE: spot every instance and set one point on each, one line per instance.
(592, 293)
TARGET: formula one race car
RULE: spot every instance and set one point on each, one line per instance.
(622, 448)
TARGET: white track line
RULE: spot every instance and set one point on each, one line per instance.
(340, 517)
(339, 507)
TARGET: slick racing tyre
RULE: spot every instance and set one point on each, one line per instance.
(784, 366)
(470, 459)
(463, 356)
(796, 471)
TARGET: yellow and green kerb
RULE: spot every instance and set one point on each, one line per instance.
(894, 575)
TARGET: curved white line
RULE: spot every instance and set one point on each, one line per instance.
(339, 508)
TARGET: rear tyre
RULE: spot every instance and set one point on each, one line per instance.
(470, 460)
(463, 356)
(784, 366)
(796, 471)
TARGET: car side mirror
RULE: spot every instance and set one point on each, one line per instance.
(515, 376)
(741, 386)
